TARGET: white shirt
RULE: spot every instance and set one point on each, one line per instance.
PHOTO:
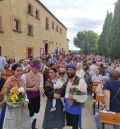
(92, 69)
(83, 86)
(96, 77)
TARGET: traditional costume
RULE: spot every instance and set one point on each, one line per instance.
(74, 110)
(55, 119)
(33, 81)
(18, 117)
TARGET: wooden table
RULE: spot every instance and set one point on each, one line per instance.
(108, 118)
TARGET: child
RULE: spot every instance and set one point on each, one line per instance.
(59, 87)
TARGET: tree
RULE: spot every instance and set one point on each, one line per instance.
(103, 43)
(115, 33)
(86, 41)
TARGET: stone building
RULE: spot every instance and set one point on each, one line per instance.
(28, 28)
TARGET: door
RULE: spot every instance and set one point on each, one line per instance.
(46, 48)
(30, 52)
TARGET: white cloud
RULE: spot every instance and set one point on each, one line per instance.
(79, 15)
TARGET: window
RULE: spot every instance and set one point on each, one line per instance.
(37, 14)
(53, 25)
(30, 9)
(0, 23)
(47, 23)
(60, 31)
(30, 30)
(16, 25)
(57, 28)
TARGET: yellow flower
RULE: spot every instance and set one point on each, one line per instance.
(14, 98)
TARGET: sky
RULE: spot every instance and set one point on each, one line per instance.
(79, 15)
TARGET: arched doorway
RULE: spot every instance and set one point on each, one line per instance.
(46, 48)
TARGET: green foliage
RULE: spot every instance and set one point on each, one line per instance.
(109, 42)
(86, 41)
(103, 43)
(115, 33)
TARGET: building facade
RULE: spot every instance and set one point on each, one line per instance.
(28, 28)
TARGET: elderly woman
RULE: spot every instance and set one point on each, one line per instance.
(112, 96)
(54, 119)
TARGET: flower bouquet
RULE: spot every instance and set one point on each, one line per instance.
(16, 97)
(79, 96)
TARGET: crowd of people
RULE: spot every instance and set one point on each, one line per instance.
(66, 81)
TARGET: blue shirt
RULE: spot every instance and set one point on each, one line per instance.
(114, 87)
(96, 77)
(108, 69)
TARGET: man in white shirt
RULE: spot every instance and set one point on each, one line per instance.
(96, 77)
(74, 111)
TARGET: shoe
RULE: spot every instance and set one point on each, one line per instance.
(53, 109)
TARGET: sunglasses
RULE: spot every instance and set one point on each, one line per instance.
(61, 73)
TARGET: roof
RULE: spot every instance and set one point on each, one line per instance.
(50, 13)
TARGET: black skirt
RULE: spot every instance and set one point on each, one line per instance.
(54, 119)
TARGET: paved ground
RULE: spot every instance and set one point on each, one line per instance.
(87, 118)
(88, 121)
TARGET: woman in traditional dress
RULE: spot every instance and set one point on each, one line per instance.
(17, 117)
(34, 85)
(54, 119)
